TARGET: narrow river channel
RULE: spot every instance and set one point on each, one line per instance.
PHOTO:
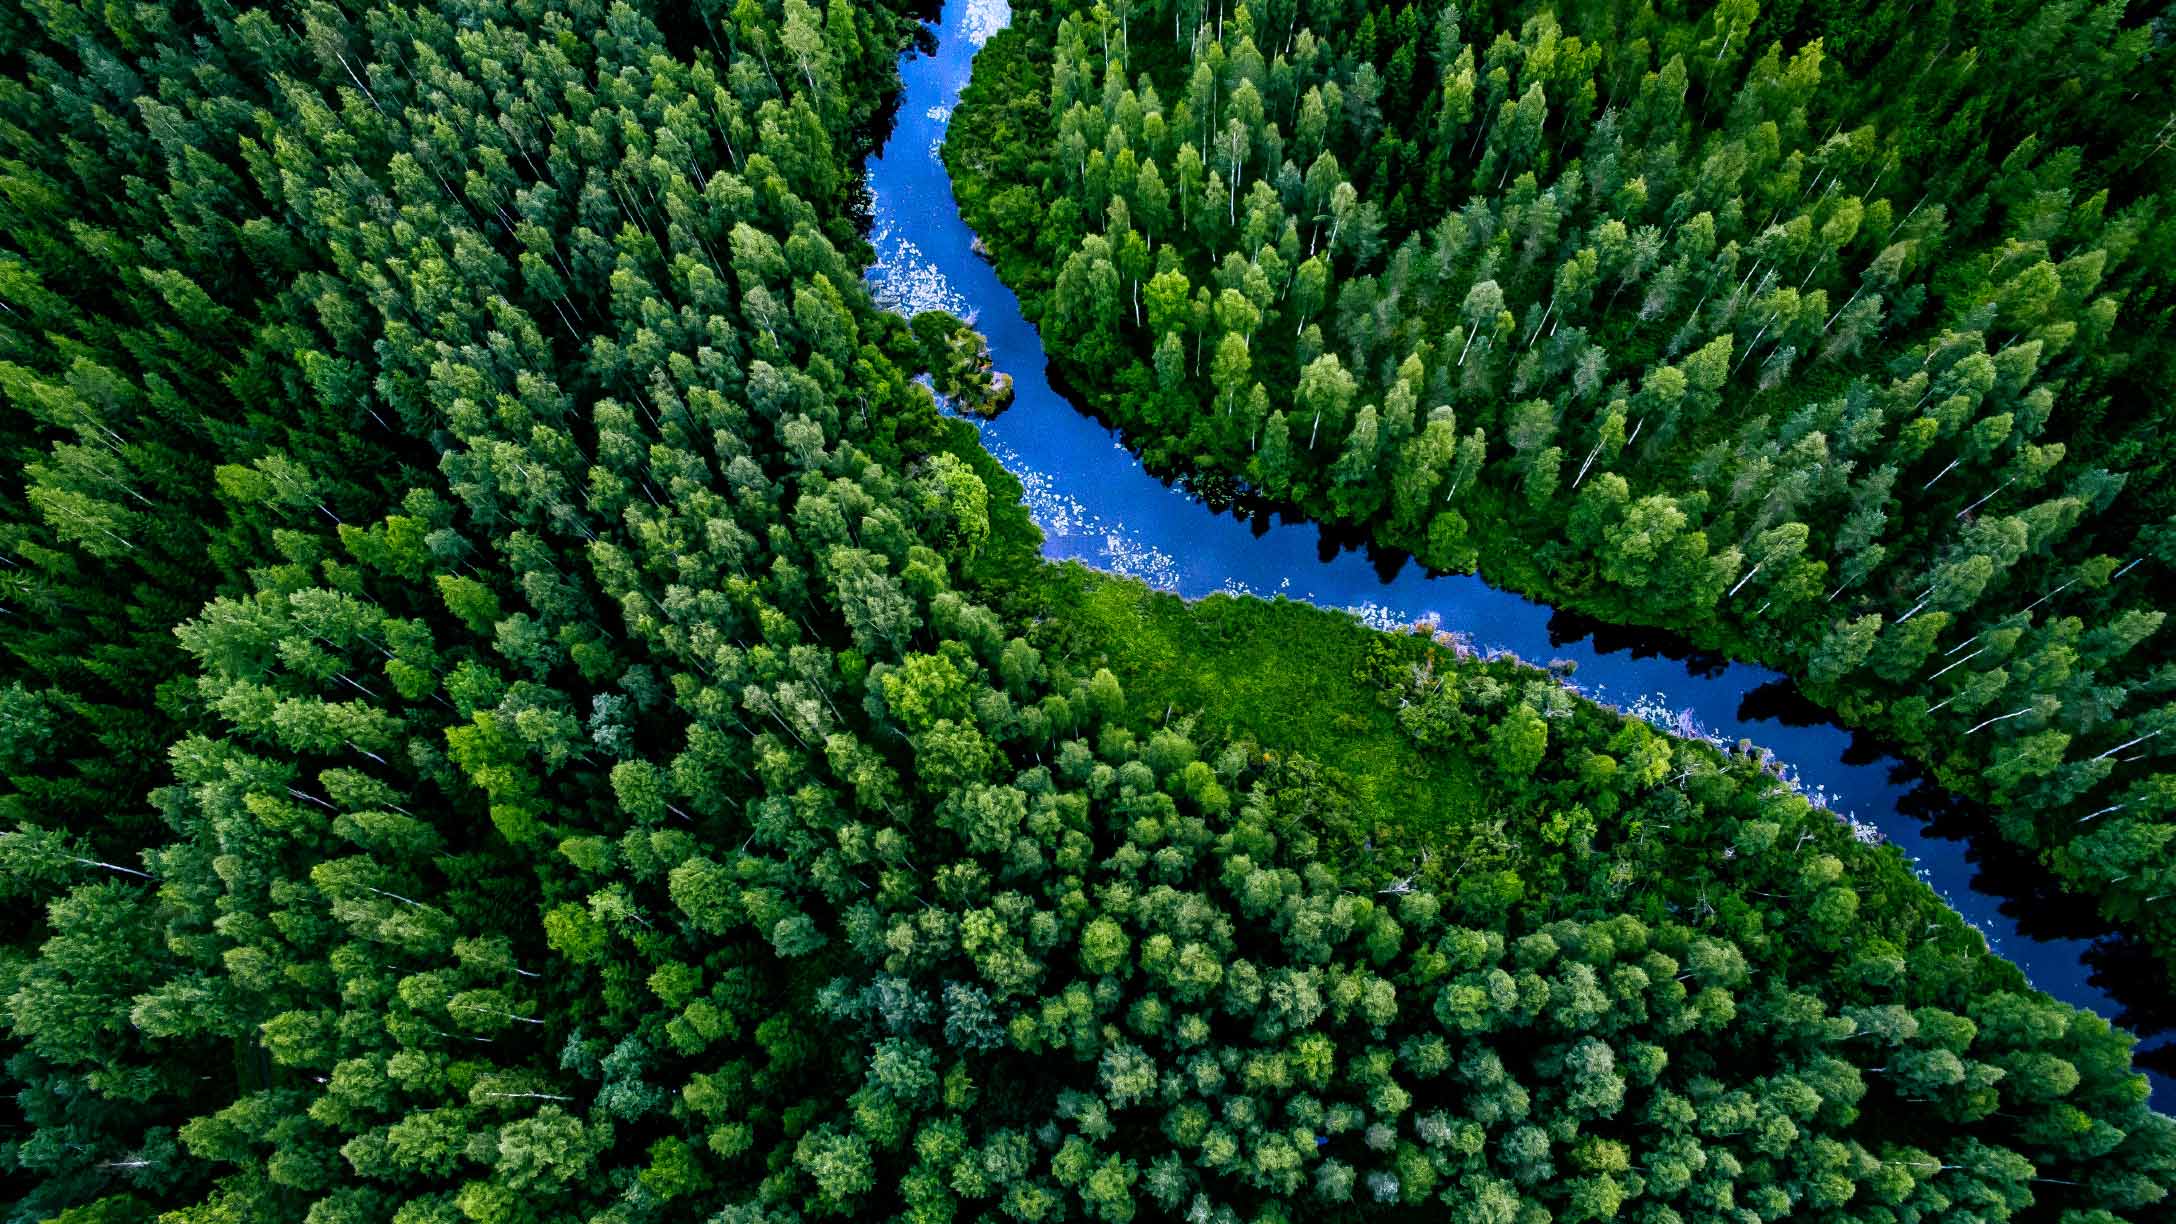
(1096, 505)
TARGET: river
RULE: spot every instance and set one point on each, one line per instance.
(1097, 505)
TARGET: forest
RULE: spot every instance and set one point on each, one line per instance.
(518, 705)
(1834, 336)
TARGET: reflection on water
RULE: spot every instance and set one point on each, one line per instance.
(1096, 504)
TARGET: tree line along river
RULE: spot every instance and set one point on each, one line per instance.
(1097, 505)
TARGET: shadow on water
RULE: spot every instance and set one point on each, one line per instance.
(1608, 637)
(1781, 701)
(1097, 504)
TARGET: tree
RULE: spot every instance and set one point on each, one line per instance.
(1846, 645)
(1275, 463)
(1310, 289)
(1326, 389)
(1517, 743)
(1542, 474)
(838, 1165)
(1356, 465)
(1448, 547)
(875, 606)
(1422, 463)
(1484, 302)
(1229, 370)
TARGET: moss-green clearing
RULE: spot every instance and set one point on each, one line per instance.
(1274, 672)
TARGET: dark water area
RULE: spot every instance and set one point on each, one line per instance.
(1097, 505)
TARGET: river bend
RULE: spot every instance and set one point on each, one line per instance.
(1096, 505)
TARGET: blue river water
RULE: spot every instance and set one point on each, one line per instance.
(1097, 505)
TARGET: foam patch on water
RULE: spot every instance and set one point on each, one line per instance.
(983, 19)
(1233, 586)
(1380, 617)
(905, 280)
(1128, 557)
(1071, 531)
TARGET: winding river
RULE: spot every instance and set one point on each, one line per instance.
(1096, 505)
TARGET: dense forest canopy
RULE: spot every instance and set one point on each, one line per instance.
(1834, 335)
(519, 708)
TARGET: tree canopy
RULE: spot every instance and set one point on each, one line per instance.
(1804, 330)
(521, 708)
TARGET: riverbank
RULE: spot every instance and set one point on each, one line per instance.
(1513, 551)
(1292, 680)
(1095, 504)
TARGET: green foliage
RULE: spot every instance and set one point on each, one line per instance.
(623, 763)
(1788, 327)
